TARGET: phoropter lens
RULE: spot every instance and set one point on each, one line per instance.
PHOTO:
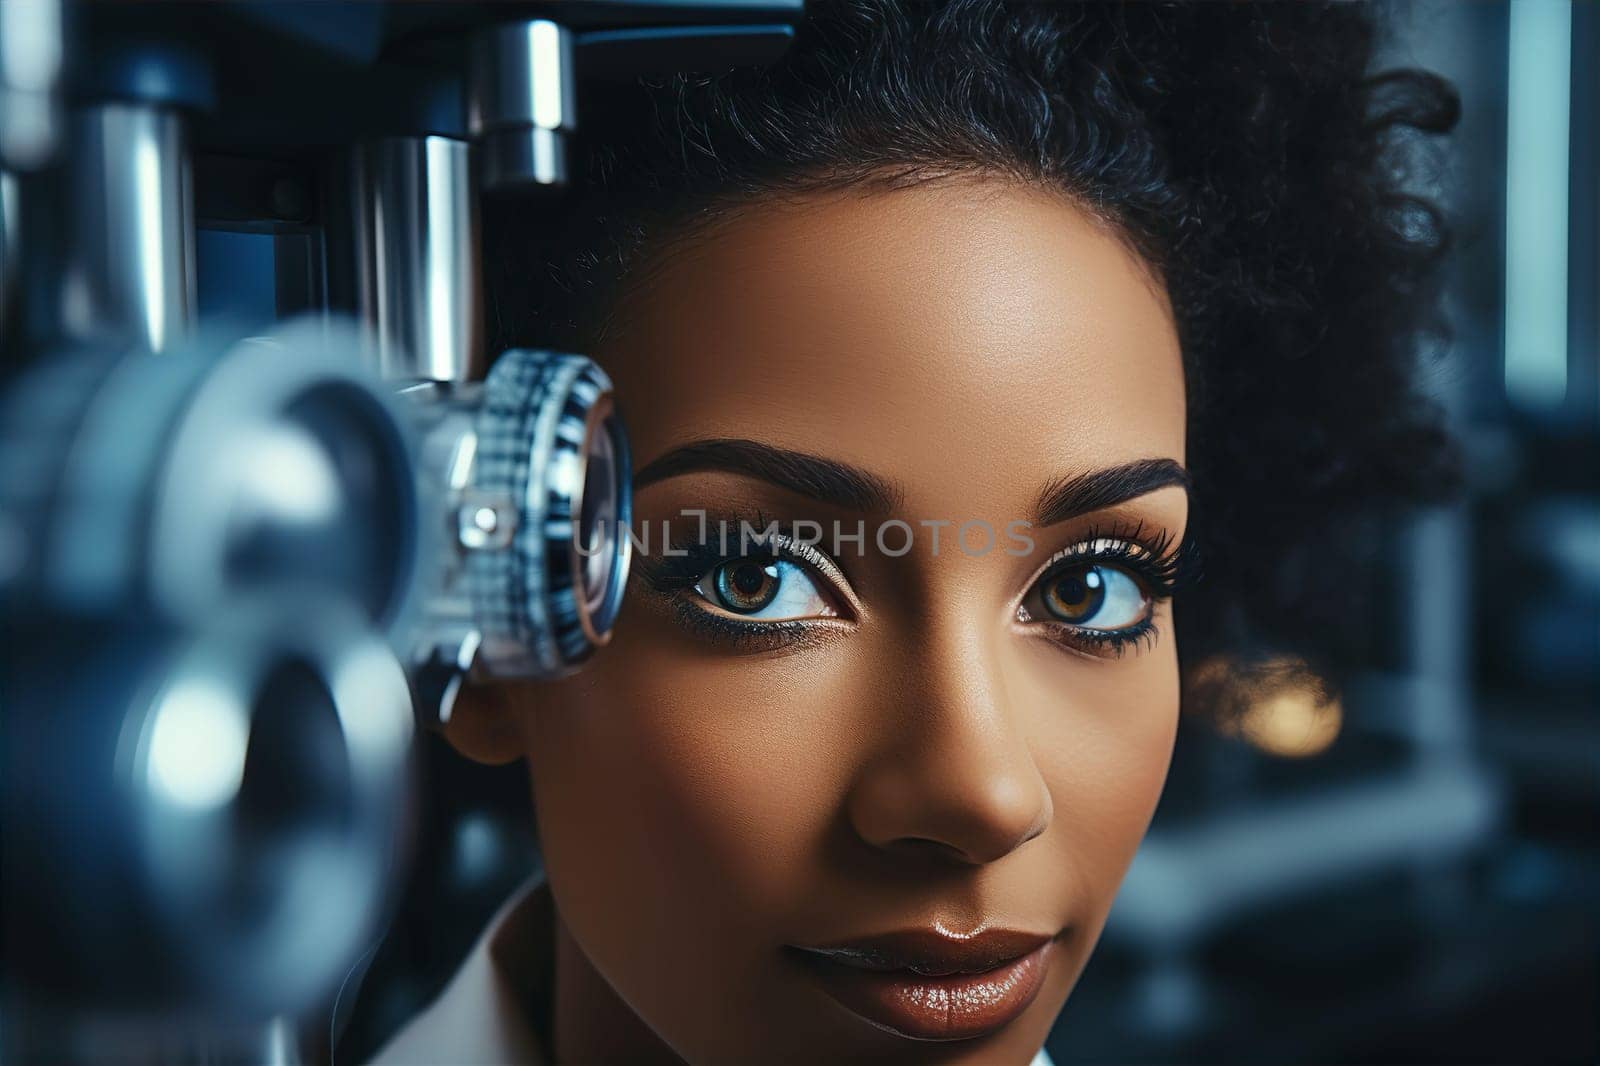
(598, 518)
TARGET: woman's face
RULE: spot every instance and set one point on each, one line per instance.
(793, 786)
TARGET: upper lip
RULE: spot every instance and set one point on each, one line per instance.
(932, 952)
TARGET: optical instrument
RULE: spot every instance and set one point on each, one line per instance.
(266, 501)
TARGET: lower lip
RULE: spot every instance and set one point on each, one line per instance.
(954, 1007)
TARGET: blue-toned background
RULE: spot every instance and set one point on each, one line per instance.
(1419, 882)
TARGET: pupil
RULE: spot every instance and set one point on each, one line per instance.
(1077, 594)
(748, 579)
(747, 586)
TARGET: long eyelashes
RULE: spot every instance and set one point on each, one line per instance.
(688, 560)
(679, 578)
(1129, 566)
(1164, 566)
(1108, 559)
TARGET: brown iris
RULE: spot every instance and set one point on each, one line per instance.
(746, 585)
(1076, 594)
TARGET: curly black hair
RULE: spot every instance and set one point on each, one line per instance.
(1247, 152)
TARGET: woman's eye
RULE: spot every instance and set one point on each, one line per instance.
(771, 590)
(1090, 596)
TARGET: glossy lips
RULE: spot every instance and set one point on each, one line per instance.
(931, 984)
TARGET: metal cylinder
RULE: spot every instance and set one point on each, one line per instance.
(419, 282)
(130, 273)
(522, 103)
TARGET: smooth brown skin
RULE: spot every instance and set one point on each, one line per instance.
(701, 807)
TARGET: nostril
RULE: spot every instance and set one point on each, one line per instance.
(973, 849)
(923, 848)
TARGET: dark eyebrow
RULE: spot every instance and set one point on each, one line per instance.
(821, 479)
(1098, 489)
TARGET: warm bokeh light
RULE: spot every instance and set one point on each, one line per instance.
(1292, 723)
(1277, 704)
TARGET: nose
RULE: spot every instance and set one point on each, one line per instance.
(955, 779)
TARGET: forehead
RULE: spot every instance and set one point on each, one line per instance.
(970, 340)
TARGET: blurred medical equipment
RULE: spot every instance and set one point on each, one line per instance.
(1406, 873)
(265, 500)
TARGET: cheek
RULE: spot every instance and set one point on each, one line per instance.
(695, 786)
(1104, 744)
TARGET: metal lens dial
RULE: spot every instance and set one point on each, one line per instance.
(553, 459)
(220, 814)
(271, 774)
